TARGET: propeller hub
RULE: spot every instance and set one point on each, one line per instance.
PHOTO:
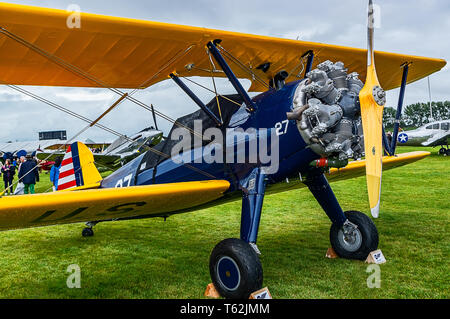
(379, 95)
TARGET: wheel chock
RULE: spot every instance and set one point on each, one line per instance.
(261, 294)
(376, 257)
(211, 292)
(331, 253)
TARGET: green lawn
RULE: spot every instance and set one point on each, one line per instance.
(156, 259)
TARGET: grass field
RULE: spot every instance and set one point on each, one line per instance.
(156, 259)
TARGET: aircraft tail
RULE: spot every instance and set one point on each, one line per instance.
(78, 170)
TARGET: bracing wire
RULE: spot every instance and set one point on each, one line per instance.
(86, 75)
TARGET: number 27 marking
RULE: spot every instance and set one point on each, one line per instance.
(126, 181)
(279, 127)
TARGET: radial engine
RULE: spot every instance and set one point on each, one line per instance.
(328, 114)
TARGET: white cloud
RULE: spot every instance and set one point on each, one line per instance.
(309, 33)
(84, 95)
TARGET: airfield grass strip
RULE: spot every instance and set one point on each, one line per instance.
(156, 259)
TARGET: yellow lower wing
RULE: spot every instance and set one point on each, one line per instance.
(105, 204)
(358, 168)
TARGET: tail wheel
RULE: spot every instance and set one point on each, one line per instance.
(235, 269)
(355, 240)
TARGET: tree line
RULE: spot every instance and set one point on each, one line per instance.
(418, 114)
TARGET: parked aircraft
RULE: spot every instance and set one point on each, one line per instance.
(432, 134)
(121, 151)
(15, 149)
(313, 116)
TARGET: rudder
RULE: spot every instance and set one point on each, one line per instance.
(78, 169)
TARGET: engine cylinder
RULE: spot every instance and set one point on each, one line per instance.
(328, 113)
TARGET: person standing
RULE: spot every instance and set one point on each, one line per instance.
(15, 162)
(29, 174)
(54, 173)
(8, 172)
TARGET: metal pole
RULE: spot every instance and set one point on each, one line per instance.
(431, 103)
(154, 117)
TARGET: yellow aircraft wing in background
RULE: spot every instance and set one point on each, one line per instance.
(105, 204)
(128, 53)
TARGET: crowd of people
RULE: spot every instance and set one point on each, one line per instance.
(27, 169)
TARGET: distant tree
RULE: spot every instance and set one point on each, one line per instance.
(417, 114)
(389, 116)
(441, 110)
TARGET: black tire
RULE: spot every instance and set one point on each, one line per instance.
(88, 232)
(447, 152)
(443, 152)
(235, 269)
(366, 237)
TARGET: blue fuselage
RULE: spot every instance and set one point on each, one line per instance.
(293, 157)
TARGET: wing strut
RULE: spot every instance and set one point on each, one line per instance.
(399, 108)
(391, 146)
(195, 98)
(310, 62)
(231, 76)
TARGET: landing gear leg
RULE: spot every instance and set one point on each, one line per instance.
(444, 151)
(353, 235)
(88, 231)
(235, 268)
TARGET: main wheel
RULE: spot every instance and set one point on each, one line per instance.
(443, 152)
(87, 232)
(235, 269)
(355, 243)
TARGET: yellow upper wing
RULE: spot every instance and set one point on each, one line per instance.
(105, 204)
(127, 53)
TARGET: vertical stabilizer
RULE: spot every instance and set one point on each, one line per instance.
(78, 169)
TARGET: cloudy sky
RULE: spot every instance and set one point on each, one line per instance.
(417, 27)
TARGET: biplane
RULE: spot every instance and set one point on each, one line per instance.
(312, 110)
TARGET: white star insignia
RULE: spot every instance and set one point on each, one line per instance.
(403, 138)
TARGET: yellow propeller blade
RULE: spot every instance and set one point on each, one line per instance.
(373, 98)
